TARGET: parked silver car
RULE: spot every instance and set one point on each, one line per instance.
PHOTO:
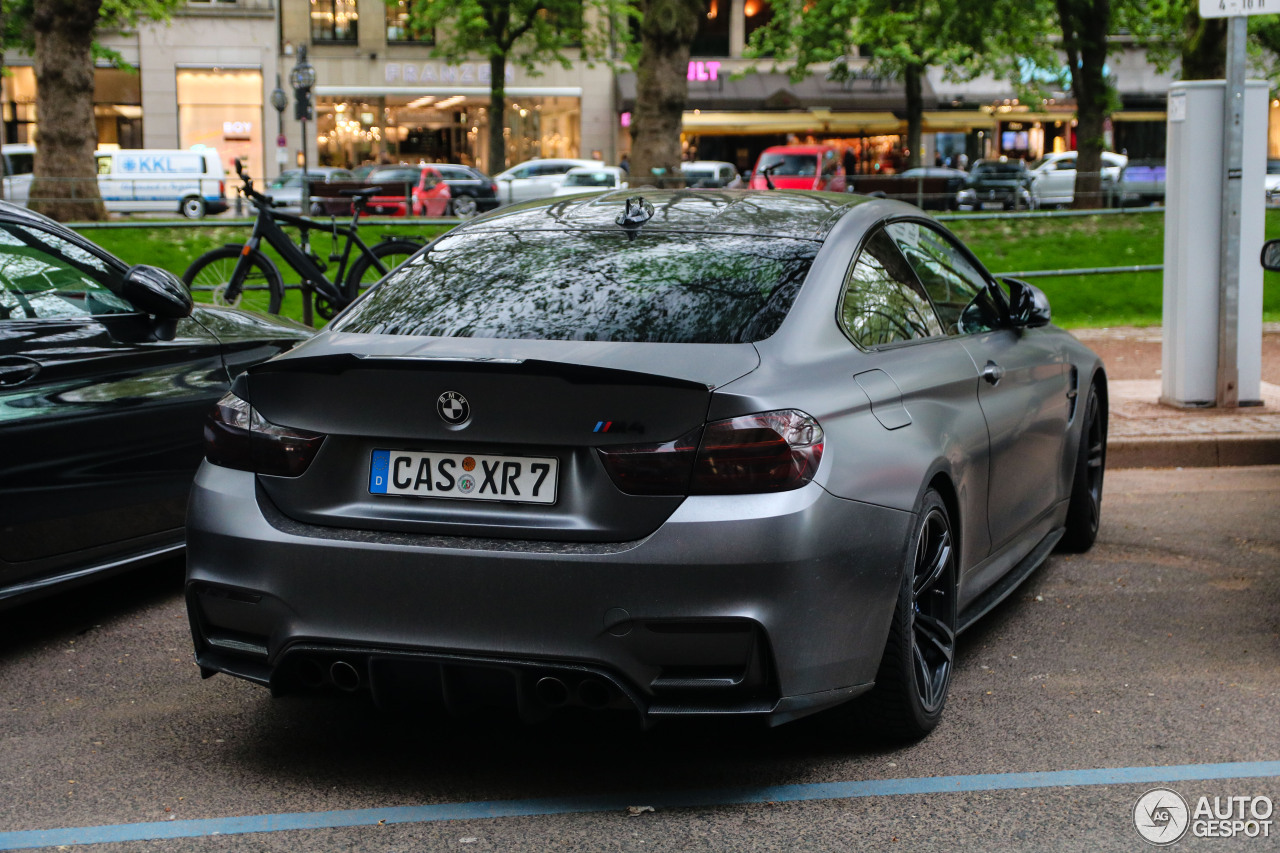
(676, 452)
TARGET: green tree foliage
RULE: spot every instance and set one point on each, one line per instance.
(60, 36)
(905, 39)
(667, 30)
(520, 33)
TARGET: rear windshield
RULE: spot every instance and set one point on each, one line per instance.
(591, 286)
(1010, 169)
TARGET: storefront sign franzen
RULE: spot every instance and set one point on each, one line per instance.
(464, 74)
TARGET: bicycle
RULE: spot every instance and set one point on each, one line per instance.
(231, 270)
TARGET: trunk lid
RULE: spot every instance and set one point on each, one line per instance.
(546, 403)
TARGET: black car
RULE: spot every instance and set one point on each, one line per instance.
(106, 375)
(1003, 184)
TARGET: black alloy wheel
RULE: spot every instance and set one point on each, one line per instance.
(919, 655)
(1084, 513)
(933, 591)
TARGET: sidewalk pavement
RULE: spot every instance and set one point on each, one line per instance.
(1143, 433)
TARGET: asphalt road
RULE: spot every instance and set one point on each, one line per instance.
(1158, 649)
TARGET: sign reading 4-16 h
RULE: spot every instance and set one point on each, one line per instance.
(1231, 8)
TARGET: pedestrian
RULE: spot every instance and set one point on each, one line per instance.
(625, 163)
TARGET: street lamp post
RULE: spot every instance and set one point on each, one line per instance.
(302, 78)
(279, 100)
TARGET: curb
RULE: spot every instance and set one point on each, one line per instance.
(1197, 452)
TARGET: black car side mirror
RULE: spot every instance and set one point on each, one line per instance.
(1271, 255)
(159, 293)
(1028, 306)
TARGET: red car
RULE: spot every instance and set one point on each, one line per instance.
(427, 192)
(800, 167)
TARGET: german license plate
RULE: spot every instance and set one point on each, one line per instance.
(464, 476)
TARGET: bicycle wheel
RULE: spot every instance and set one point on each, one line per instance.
(364, 272)
(262, 290)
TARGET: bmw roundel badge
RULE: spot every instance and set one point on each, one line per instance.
(453, 408)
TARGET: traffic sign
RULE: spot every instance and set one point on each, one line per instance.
(1231, 8)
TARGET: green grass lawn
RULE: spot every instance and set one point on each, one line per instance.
(1004, 244)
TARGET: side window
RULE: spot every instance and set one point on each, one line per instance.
(523, 173)
(883, 302)
(958, 290)
(44, 276)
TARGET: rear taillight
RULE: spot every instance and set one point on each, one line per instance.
(222, 189)
(236, 436)
(653, 469)
(768, 452)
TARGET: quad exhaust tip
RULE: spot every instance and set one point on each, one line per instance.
(344, 676)
(552, 692)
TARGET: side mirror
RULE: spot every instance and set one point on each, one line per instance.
(159, 293)
(1028, 306)
(1271, 255)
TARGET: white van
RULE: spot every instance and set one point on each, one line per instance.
(18, 162)
(137, 180)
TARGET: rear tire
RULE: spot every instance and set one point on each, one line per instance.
(193, 207)
(1084, 513)
(262, 289)
(364, 272)
(915, 672)
(464, 206)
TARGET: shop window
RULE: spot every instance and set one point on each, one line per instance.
(402, 28)
(334, 20)
(222, 109)
(712, 38)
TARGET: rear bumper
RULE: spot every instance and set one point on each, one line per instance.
(772, 605)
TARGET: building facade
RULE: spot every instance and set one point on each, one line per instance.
(205, 79)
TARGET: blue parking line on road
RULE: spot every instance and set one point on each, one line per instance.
(619, 802)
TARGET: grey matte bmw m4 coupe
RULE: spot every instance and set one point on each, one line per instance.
(680, 453)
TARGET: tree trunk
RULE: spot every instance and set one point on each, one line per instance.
(1204, 47)
(913, 78)
(65, 181)
(497, 114)
(662, 88)
(1085, 24)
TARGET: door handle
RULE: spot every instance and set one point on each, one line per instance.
(16, 370)
(993, 373)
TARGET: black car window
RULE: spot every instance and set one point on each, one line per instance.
(883, 302)
(594, 285)
(959, 291)
(452, 173)
(43, 275)
(395, 176)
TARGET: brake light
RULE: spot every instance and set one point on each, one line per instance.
(236, 436)
(767, 452)
(222, 189)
